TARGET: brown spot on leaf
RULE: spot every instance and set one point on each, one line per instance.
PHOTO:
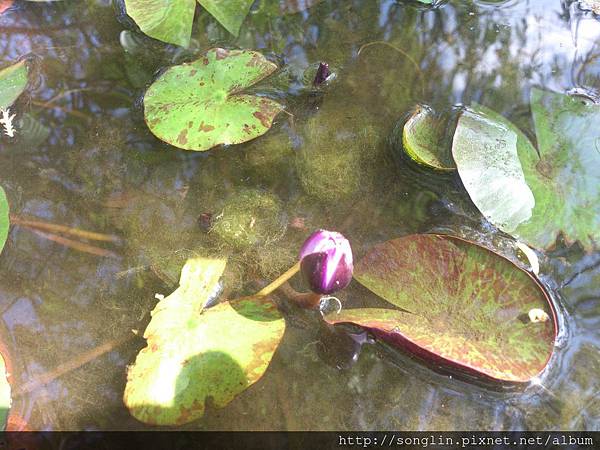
(182, 138)
(264, 119)
(205, 128)
(193, 72)
(205, 61)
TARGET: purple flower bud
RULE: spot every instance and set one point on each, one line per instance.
(326, 262)
(322, 74)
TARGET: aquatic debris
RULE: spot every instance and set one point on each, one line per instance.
(249, 217)
(201, 104)
(459, 304)
(6, 120)
(326, 262)
(531, 257)
(537, 315)
(53, 232)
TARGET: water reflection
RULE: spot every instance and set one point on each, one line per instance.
(97, 167)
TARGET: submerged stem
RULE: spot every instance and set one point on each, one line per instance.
(402, 52)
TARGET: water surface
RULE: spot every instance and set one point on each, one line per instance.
(89, 161)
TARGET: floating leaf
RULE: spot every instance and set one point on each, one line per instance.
(171, 20)
(423, 139)
(564, 177)
(193, 354)
(166, 20)
(462, 305)
(13, 80)
(199, 105)
(485, 152)
(230, 13)
(4, 220)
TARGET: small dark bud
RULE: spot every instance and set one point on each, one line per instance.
(322, 74)
(205, 221)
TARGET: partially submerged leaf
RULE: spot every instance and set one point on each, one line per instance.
(13, 80)
(193, 354)
(4, 219)
(200, 105)
(462, 305)
(423, 139)
(485, 152)
(166, 20)
(564, 177)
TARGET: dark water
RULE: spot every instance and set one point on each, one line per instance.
(86, 159)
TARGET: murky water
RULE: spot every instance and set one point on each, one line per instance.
(86, 159)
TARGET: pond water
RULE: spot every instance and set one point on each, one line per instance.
(86, 159)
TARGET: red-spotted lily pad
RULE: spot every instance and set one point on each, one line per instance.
(535, 195)
(195, 353)
(4, 219)
(171, 20)
(200, 105)
(460, 304)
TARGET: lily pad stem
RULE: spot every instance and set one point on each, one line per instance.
(276, 284)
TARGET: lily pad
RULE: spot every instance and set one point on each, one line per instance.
(423, 139)
(486, 155)
(230, 14)
(166, 20)
(461, 305)
(13, 81)
(195, 353)
(564, 177)
(200, 105)
(4, 219)
(171, 20)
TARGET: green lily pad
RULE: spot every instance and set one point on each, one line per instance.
(200, 105)
(461, 305)
(193, 354)
(171, 20)
(13, 81)
(423, 139)
(230, 14)
(564, 177)
(166, 20)
(4, 219)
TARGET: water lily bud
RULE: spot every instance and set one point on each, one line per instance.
(326, 262)
(322, 74)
